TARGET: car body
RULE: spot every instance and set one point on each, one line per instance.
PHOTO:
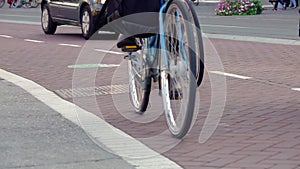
(83, 13)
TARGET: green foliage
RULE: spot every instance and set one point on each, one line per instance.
(238, 7)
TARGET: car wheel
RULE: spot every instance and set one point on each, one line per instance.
(87, 23)
(49, 27)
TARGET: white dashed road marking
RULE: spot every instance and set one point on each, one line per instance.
(107, 51)
(6, 36)
(231, 75)
(34, 41)
(296, 89)
(70, 45)
(92, 65)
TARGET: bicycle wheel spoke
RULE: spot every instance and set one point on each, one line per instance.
(139, 82)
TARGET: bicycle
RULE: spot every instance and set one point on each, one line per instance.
(32, 3)
(175, 59)
(25, 3)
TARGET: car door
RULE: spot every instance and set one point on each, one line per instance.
(69, 10)
(55, 6)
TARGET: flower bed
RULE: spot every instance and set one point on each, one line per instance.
(238, 7)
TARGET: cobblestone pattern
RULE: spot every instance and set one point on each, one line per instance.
(260, 125)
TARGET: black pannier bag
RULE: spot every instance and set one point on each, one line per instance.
(133, 17)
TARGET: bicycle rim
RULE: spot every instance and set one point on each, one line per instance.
(178, 82)
(139, 83)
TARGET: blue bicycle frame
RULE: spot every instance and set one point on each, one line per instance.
(157, 41)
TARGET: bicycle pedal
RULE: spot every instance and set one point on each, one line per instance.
(131, 48)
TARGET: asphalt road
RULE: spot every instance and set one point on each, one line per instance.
(273, 24)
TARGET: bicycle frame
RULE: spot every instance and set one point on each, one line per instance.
(165, 65)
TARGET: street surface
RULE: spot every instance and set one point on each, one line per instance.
(259, 127)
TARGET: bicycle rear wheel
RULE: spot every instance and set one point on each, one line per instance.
(178, 82)
(32, 4)
(139, 82)
(2, 2)
(198, 50)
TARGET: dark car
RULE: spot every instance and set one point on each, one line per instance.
(83, 13)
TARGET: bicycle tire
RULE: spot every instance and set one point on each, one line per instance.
(199, 50)
(2, 2)
(32, 4)
(178, 96)
(28, 4)
(139, 83)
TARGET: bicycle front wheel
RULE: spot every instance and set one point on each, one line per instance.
(178, 81)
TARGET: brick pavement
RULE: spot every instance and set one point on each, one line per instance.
(259, 128)
(260, 125)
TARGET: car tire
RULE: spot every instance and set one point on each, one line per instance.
(86, 22)
(49, 27)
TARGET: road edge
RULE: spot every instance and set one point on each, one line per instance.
(108, 137)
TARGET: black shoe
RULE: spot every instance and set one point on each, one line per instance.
(127, 41)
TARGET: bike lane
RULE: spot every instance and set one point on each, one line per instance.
(259, 127)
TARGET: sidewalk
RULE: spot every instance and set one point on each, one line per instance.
(34, 136)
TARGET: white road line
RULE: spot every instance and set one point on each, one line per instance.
(23, 16)
(106, 32)
(20, 22)
(107, 51)
(102, 133)
(296, 89)
(70, 45)
(6, 36)
(92, 65)
(224, 26)
(34, 41)
(231, 75)
(253, 39)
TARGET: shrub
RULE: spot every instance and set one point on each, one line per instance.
(238, 7)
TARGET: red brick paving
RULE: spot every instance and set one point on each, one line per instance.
(260, 125)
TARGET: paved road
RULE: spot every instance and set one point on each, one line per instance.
(260, 123)
(278, 24)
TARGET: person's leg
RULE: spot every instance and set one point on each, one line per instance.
(275, 5)
(287, 3)
(293, 4)
(280, 6)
